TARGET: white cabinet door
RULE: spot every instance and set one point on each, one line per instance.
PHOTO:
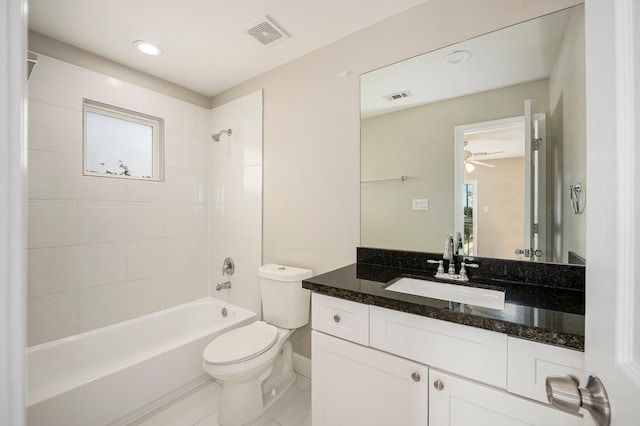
(458, 402)
(355, 385)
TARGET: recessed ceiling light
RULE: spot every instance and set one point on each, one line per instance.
(457, 57)
(147, 48)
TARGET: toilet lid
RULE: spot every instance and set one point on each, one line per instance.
(241, 343)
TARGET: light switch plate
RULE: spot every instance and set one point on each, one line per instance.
(420, 204)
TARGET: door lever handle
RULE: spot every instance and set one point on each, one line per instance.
(563, 393)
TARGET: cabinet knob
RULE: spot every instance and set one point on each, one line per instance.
(336, 318)
(415, 377)
(438, 385)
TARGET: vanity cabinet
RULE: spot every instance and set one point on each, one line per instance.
(371, 364)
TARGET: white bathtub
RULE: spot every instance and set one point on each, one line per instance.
(113, 374)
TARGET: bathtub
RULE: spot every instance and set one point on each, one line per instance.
(114, 374)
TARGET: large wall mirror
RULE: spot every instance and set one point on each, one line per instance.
(485, 138)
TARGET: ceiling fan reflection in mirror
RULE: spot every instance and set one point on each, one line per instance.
(470, 158)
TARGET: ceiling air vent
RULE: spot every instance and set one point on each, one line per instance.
(396, 96)
(266, 32)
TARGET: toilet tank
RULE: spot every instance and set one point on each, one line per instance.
(284, 302)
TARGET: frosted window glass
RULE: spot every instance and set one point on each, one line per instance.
(120, 144)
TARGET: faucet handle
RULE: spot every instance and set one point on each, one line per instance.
(440, 265)
(463, 271)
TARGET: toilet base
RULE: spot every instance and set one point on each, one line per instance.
(242, 402)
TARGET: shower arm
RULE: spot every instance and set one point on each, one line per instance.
(216, 136)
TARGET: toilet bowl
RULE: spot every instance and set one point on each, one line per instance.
(255, 362)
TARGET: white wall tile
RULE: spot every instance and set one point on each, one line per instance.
(104, 221)
(60, 83)
(236, 200)
(186, 219)
(181, 253)
(146, 258)
(242, 185)
(237, 220)
(52, 270)
(179, 116)
(55, 128)
(52, 223)
(140, 190)
(183, 286)
(187, 152)
(55, 176)
(52, 317)
(203, 256)
(245, 291)
(110, 304)
(181, 185)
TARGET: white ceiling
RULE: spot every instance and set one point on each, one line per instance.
(205, 47)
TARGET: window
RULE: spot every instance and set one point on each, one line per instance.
(122, 143)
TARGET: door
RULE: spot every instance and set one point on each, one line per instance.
(535, 141)
(13, 147)
(613, 206)
(356, 385)
(499, 156)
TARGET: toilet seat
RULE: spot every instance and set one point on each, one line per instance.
(241, 344)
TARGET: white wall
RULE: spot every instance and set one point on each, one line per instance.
(103, 250)
(236, 199)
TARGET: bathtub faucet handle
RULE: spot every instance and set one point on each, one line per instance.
(228, 267)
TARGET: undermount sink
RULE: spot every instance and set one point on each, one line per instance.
(483, 297)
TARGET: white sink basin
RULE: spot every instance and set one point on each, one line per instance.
(484, 297)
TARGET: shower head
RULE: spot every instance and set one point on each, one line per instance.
(216, 136)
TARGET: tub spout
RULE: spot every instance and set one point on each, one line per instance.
(220, 286)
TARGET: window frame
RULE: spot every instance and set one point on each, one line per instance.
(156, 124)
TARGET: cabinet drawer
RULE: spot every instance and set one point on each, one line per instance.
(341, 318)
(471, 352)
(530, 363)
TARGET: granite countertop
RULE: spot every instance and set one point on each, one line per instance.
(547, 314)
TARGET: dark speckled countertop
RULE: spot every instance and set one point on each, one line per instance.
(548, 309)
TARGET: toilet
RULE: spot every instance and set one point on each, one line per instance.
(255, 362)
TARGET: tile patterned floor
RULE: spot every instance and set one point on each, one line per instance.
(199, 407)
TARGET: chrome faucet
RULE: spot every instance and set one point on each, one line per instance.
(448, 255)
(220, 286)
(459, 244)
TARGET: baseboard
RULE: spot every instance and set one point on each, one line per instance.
(302, 365)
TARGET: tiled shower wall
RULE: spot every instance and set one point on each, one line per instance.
(236, 199)
(103, 250)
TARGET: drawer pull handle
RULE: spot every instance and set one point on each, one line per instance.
(336, 318)
(415, 377)
(438, 385)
